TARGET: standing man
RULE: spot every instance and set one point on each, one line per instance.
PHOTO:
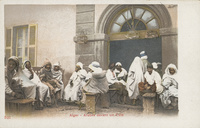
(144, 58)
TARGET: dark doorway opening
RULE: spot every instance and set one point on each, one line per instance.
(125, 51)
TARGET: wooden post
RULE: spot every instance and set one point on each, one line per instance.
(149, 103)
(90, 103)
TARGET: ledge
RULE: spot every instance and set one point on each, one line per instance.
(94, 37)
(168, 31)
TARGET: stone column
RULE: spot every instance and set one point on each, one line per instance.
(95, 48)
(169, 47)
(149, 103)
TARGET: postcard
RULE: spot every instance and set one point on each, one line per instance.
(99, 64)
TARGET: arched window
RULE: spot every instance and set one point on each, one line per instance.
(134, 18)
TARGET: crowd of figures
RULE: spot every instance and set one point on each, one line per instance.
(142, 77)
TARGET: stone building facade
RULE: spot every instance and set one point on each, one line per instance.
(86, 33)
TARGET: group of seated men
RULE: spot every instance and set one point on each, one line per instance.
(141, 78)
(20, 84)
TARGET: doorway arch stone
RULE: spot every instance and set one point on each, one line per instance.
(167, 33)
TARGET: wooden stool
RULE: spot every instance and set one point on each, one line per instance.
(149, 103)
(20, 107)
(90, 103)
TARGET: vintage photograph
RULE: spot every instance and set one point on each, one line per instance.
(91, 60)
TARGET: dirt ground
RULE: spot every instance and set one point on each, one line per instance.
(72, 110)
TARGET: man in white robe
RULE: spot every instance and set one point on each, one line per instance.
(113, 82)
(43, 90)
(169, 97)
(152, 81)
(77, 80)
(121, 73)
(135, 76)
(13, 83)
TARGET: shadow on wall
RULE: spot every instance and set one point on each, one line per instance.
(67, 75)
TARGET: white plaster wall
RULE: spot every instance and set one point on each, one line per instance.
(56, 29)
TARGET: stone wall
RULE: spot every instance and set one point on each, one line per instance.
(97, 47)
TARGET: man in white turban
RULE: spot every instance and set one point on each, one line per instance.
(76, 81)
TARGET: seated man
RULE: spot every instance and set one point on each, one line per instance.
(13, 87)
(20, 85)
(97, 84)
(113, 82)
(43, 90)
(77, 80)
(57, 74)
(121, 73)
(152, 82)
(169, 97)
(46, 77)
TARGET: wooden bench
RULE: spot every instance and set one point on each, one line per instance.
(149, 103)
(20, 107)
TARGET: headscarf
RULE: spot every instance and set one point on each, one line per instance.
(167, 73)
(98, 82)
(143, 55)
(16, 60)
(28, 73)
(46, 62)
(80, 65)
(24, 64)
(155, 65)
(118, 64)
(48, 73)
(57, 74)
(95, 66)
(57, 64)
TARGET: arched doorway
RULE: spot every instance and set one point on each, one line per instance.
(132, 29)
